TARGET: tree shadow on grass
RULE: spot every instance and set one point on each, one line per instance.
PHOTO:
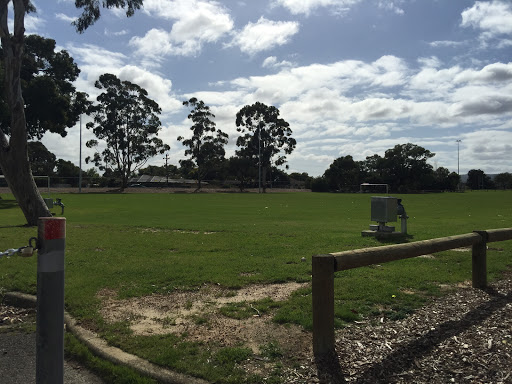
(8, 204)
(403, 358)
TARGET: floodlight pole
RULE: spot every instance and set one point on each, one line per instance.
(166, 170)
(80, 162)
(458, 157)
(458, 151)
(259, 158)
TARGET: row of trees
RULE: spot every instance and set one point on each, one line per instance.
(404, 168)
(37, 96)
(17, 126)
(126, 119)
(344, 174)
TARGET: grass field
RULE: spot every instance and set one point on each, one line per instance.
(143, 244)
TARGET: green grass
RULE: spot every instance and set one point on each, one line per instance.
(139, 244)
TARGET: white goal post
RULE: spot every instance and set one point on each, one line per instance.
(371, 187)
(37, 177)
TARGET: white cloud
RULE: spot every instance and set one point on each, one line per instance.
(271, 62)
(429, 62)
(496, 72)
(392, 6)
(153, 47)
(493, 17)
(306, 7)
(159, 88)
(196, 23)
(446, 43)
(95, 61)
(122, 32)
(66, 18)
(33, 24)
(264, 35)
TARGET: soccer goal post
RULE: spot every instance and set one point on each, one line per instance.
(371, 187)
(47, 178)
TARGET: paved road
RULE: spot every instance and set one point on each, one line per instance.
(18, 361)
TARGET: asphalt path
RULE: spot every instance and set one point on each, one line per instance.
(18, 361)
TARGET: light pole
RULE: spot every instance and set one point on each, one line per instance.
(166, 170)
(458, 152)
(259, 158)
(458, 157)
(80, 174)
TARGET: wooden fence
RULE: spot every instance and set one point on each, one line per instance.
(324, 267)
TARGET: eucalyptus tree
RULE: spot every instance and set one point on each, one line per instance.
(206, 145)
(126, 119)
(406, 167)
(13, 138)
(42, 161)
(263, 136)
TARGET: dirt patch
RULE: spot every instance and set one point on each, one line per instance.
(463, 337)
(196, 314)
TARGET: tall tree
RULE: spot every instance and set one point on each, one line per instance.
(126, 119)
(42, 161)
(477, 179)
(206, 146)
(67, 172)
(445, 180)
(13, 145)
(343, 174)
(263, 135)
(503, 180)
(372, 169)
(52, 103)
(242, 170)
(406, 167)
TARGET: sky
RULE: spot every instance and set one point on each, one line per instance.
(351, 77)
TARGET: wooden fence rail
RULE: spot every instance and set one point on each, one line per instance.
(324, 267)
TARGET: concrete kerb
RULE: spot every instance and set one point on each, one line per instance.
(100, 347)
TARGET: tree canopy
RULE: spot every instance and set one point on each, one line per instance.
(343, 174)
(126, 119)
(263, 136)
(477, 179)
(206, 146)
(404, 167)
(91, 10)
(42, 161)
(52, 103)
(13, 146)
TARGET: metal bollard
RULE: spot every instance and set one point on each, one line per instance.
(50, 300)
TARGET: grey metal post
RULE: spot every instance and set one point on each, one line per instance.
(479, 261)
(323, 305)
(403, 222)
(50, 300)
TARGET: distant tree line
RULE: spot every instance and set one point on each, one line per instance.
(404, 168)
(127, 121)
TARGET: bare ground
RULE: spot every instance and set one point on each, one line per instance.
(464, 337)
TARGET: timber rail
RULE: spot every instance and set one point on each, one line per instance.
(324, 267)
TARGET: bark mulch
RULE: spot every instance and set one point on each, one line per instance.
(463, 337)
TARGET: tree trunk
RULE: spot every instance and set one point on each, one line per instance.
(13, 152)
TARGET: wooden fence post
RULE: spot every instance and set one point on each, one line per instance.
(323, 305)
(479, 261)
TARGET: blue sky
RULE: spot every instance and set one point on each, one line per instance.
(352, 77)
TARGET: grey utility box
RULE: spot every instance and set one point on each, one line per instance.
(384, 209)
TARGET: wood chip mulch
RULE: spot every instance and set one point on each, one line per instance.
(463, 337)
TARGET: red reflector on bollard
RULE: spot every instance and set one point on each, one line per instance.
(53, 228)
